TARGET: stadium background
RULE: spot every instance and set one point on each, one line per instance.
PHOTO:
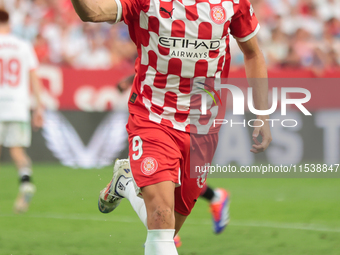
(82, 63)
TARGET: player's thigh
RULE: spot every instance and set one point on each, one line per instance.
(17, 134)
(18, 153)
(154, 156)
(159, 193)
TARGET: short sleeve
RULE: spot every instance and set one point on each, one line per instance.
(128, 10)
(32, 59)
(244, 24)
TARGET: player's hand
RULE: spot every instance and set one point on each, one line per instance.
(265, 133)
(38, 118)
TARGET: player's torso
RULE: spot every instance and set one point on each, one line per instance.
(187, 38)
(14, 78)
(177, 41)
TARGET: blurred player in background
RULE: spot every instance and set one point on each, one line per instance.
(18, 63)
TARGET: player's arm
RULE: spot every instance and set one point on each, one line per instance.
(38, 113)
(256, 72)
(96, 10)
(125, 84)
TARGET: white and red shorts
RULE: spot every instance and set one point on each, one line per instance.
(160, 153)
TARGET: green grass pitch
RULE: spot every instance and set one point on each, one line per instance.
(268, 216)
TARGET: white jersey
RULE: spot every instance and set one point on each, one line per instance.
(17, 59)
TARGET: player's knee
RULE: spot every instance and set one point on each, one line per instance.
(162, 216)
(163, 212)
(20, 157)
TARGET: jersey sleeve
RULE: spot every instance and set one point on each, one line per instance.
(128, 10)
(244, 25)
(32, 59)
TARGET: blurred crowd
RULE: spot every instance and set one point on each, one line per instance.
(294, 33)
(298, 33)
(60, 37)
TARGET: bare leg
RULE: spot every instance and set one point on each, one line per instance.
(26, 189)
(20, 158)
(159, 202)
(180, 219)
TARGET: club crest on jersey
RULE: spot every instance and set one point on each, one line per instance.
(218, 14)
(251, 10)
(149, 165)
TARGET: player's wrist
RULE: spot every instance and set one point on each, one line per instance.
(262, 117)
(39, 108)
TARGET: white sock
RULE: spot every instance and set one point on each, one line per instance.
(217, 196)
(160, 242)
(136, 202)
(25, 171)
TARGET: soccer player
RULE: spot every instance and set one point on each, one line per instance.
(176, 41)
(17, 70)
(218, 198)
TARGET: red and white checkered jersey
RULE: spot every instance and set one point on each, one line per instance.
(178, 40)
(17, 58)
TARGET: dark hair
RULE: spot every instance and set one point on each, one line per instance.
(4, 16)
